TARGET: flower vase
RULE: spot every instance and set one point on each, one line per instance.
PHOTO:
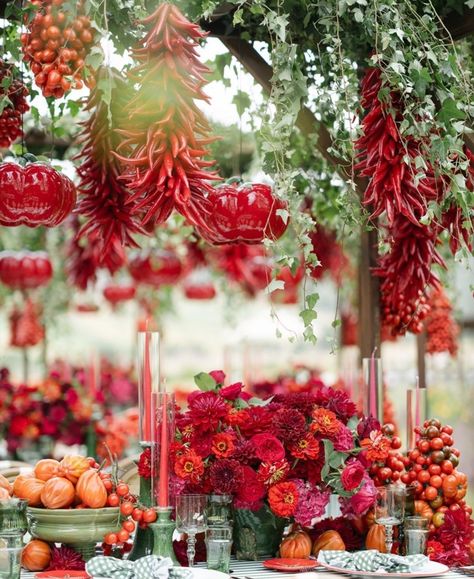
(143, 541)
(257, 534)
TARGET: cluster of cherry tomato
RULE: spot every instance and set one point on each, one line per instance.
(432, 470)
(441, 328)
(406, 316)
(10, 118)
(390, 470)
(133, 514)
(56, 46)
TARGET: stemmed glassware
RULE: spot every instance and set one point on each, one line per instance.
(389, 510)
(191, 519)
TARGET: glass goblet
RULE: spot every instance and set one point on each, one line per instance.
(389, 511)
(191, 519)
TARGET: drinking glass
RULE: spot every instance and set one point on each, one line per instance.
(10, 562)
(219, 546)
(416, 540)
(389, 510)
(191, 519)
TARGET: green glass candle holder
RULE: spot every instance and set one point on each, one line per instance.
(163, 530)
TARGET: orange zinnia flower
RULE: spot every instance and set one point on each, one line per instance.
(189, 467)
(377, 446)
(306, 448)
(223, 445)
(325, 422)
(283, 498)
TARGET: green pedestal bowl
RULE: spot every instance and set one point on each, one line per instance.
(80, 529)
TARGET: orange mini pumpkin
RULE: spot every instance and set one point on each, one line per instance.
(423, 509)
(328, 541)
(4, 484)
(297, 545)
(27, 487)
(36, 555)
(72, 466)
(91, 490)
(58, 493)
(376, 538)
(46, 469)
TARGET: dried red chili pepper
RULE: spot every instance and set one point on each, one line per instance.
(104, 200)
(165, 142)
(442, 331)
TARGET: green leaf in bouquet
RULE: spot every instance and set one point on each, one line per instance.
(205, 382)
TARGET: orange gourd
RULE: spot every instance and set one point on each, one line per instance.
(27, 487)
(4, 484)
(328, 541)
(58, 493)
(46, 469)
(297, 545)
(423, 509)
(376, 538)
(370, 518)
(36, 555)
(72, 466)
(91, 490)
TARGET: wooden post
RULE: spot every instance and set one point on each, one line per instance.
(369, 295)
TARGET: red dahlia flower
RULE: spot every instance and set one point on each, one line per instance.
(289, 424)
(144, 464)
(207, 409)
(226, 476)
(283, 498)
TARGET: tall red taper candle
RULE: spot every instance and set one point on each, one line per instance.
(373, 388)
(163, 498)
(147, 405)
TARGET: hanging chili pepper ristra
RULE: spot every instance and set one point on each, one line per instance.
(103, 197)
(164, 146)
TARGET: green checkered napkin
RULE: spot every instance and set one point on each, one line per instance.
(150, 567)
(372, 561)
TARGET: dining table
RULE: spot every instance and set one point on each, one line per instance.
(256, 570)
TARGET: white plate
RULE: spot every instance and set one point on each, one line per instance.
(431, 569)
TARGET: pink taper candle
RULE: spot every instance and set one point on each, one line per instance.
(163, 498)
(372, 387)
(147, 404)
(417, 403)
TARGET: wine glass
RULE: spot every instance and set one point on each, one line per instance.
(389, 510)
(191, 519)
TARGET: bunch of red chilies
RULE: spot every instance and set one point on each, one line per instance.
(103, 197)
(399, 190)
(15, 93)
(441, 329)
(163, 147)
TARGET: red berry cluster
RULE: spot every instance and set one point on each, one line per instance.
(404, 315)
(389, 470)
(441, 329)
(132, 513)
(56, 46)
(10, 118)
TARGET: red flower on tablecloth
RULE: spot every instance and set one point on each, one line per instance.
(223, 444)
(306, 448)
(377, 446)
(325, 422)
(267, 447)
(206, 409)
(189, 467)
(144, 464)
(352, 475)
(271, 473)
(226, 476)
(283, 498)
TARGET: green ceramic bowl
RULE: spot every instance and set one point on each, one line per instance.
(79, 528)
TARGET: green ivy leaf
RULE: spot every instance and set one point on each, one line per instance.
(449, 111)
(205, 382)
(308, 316)
(242, 101)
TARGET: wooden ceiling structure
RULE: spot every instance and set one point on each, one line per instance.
(458, 26)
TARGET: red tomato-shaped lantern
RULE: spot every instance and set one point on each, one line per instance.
(157, 268)
(198, 285)
(25, 269)
(119, 293)
(244, 214)
(34, 195)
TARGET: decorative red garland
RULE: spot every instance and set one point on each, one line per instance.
(165, 142)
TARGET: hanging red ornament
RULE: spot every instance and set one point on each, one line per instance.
(103, 197)
(13, 94)
(165, 142)
(248, 213)
(156, 268)
(116, 294)
(198, 285)
(56, 44)
(34, 195)
(442, 331)
(25, 269)
(26, 329)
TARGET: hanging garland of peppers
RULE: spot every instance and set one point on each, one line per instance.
(442, 330)
(103, 201)
(165, 142)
